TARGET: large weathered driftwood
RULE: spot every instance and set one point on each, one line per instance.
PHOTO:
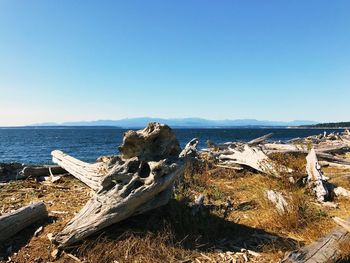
(315, 178)
(246, 155)
(13, 222)
(240, 155)
(233, 154)
(152, 143)
(321, 251)
(138, 180)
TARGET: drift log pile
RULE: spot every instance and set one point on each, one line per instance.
(255, 154)
(326, 146)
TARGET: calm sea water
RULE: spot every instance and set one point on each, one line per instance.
(34, 145)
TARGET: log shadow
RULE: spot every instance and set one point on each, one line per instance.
(22, 238)
(203, 232)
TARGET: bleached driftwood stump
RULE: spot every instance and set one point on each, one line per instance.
(316, 179)
(138, 180)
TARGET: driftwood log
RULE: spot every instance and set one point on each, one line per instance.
(251, 156)
(138, 180)
(316, 180)
(243, 155)
(326, 147)
(17, 171)
(261, 139)
(323, 250)
(12, 223)
(288, 148)
(301, 148)
(36, 171)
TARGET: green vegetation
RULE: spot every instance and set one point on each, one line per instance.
(330, 125)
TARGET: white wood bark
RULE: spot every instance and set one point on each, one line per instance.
(316, 179)
(291, 148)
(283, 148)
(278, 200)
(90, 174)
(190, 149)
(251, 156)
(341, 191)
(339, 145)
(12, 223)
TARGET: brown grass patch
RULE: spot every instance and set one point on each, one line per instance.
(344, 250)
(296, 162)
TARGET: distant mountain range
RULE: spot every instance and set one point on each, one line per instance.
(181, 122)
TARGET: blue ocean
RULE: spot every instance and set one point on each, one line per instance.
(34, 145)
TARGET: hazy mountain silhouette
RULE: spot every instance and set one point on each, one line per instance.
(180, 122)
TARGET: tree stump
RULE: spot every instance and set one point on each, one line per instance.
(138, 180)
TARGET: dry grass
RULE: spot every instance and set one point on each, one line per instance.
(134, 247)
(344, 250)
(68, 195)
(296, 162)
(302, 214)
(236, 215)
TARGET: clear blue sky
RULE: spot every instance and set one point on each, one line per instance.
(87, 60)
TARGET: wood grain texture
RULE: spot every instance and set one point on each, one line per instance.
(13, 222)
(138, 180)
(321, 251)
